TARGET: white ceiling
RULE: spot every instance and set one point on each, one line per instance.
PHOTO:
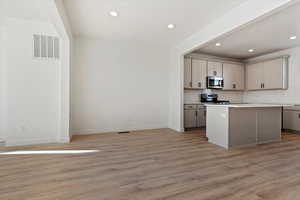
(268, 35)
(144, 20)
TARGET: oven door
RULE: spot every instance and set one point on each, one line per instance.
(215, 82)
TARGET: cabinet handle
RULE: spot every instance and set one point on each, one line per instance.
(199, 84)
(191, 84)
(215, 73)
(233, 86)
(299, 115)
(196, 113)
(263, 85)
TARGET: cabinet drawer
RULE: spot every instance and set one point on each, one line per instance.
(200, 107)
(190, 107)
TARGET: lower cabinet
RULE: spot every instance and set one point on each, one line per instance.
(194, 116)
(190, 118)
(291, 119)
(254, 126)
(267, 129)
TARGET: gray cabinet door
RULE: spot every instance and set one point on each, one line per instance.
(242, 127)
(190, 119)
(214, 69)
(233, 76)
(273, 74)
(255, 76)
(201, 118)
(187, 73)
(291, 120)
(268, 125)
(199, 71)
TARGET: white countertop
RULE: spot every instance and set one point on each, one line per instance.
(250, 105)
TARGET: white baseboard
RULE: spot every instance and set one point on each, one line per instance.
(95, 131)
(36, 141)
(65, 140)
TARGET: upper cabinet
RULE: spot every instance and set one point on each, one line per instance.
(199, 71)
(254, 76)
(195, 72)
(187, 73)
(267, 75)
(214, 69)
(233, 76)
(274, 72)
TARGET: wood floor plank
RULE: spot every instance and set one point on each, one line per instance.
(152, 165)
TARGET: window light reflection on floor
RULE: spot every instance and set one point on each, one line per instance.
(43, 152)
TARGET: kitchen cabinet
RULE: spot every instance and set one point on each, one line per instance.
(273, 74)
(254, 76)
(268, 123)
(267, 75)
(233, 76)
(190, 118)
(199, 72)
(194, 116)
(291, 119)
(243, 125)
(214, 69)
(187, 73)
(201, 117)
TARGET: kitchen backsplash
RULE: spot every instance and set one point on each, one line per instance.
(193, 96)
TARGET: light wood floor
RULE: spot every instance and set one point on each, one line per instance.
(157, 164)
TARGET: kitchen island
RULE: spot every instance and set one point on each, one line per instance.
(238, 125)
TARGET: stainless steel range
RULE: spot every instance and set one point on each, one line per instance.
(212, 98)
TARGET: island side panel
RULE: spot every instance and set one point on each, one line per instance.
(242, 127)
(217, 125)
(269, 125)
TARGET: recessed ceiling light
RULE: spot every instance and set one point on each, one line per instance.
(113, 13)
(293, 37)
(218, 44)
(171, 26)
(251, 50)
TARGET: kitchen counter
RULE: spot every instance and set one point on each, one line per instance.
(247, 105)
(238, 125)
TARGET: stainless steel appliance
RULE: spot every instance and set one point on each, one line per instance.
(209, 98)
(212, 98)
(215, 82)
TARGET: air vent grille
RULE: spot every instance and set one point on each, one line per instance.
(46, 47)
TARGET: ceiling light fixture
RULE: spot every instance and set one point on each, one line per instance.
(293, 37)
(114, 13)
(218, 44)
(171, 26)
(251, 50)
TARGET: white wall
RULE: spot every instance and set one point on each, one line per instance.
(32, 86)
(118, 86)
(61, 22)
(290, 96)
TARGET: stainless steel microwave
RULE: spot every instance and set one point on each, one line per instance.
(215, 82)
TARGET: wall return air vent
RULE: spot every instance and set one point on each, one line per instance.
(46, 47)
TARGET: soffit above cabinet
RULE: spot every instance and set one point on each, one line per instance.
(268, 35)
